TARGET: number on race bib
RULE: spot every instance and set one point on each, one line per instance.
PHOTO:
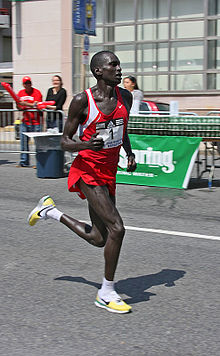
(111, 132)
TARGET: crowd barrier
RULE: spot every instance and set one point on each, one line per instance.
(207, 127)
(11, 119)
(186, 124)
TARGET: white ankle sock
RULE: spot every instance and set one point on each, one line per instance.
(107, 287)
(107, 291)
(54, 213)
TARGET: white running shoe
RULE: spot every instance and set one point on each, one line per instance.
(113, 303)
(40, 211)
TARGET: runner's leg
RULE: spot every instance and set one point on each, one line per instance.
(104, 207)
(95, 234)
(106, 224)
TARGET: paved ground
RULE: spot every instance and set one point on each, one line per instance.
(49, 277)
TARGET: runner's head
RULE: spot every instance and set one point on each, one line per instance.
(105, 66)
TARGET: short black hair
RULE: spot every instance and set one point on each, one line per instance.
(97, 60)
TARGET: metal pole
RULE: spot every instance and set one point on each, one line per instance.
(82, 67)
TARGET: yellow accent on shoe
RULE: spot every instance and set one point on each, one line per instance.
(33, 219)
(48, 201)
(45, 202)
(114, 306)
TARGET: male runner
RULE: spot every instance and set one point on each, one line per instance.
(101, 114)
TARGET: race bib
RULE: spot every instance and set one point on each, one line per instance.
(111, 132)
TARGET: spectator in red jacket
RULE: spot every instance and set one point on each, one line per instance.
(31, 121)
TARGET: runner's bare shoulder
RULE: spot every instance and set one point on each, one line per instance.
(80, 99)
(78, 106)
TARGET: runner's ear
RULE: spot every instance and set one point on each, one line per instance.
(98, 71)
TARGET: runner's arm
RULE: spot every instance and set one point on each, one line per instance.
(76, 116)
(132, 165)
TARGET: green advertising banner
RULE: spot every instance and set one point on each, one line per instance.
(162, 161)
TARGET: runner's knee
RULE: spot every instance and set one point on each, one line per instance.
(117, 231)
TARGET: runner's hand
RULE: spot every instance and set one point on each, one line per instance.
(96, 143)
(132, 165)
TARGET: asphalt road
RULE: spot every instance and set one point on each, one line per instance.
(49, 277)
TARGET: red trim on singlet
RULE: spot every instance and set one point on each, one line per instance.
(100, 110)
(119, 97)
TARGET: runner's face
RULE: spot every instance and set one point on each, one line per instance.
(111, 70)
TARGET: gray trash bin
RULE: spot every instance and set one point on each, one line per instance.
(49, 156)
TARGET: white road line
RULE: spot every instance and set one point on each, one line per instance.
(168, 232)
(175, 233)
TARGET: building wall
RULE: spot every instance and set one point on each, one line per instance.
(6, 68)
(42, 43)
(66, 48)
(199, 104)
(172, 47)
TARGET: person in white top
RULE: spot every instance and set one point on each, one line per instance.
(130, 83)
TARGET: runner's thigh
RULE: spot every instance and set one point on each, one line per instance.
(100, 201)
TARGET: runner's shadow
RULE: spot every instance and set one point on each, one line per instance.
(136, 287)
